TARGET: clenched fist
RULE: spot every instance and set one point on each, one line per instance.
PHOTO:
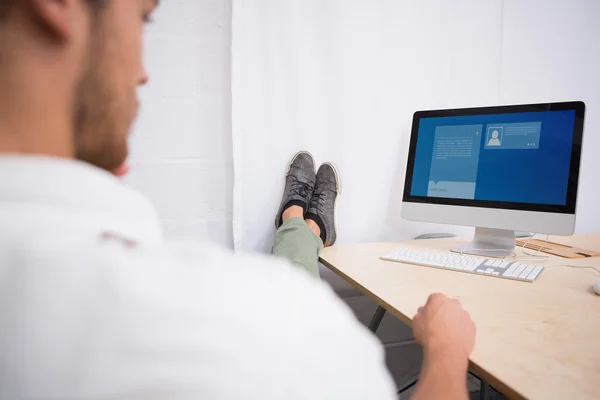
(443, 326)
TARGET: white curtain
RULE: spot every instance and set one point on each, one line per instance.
(342, 78)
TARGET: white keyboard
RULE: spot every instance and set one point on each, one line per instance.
(466, 263)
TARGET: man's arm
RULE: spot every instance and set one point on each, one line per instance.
(443, 376)
(447, 335)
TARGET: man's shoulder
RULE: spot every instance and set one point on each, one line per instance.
(200, 273)
(248, 297)
(249, 319)
(256, 278)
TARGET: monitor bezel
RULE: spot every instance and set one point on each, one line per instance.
(568, 208)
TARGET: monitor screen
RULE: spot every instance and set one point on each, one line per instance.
(518, 157)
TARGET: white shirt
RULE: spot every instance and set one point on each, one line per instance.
(96, 304)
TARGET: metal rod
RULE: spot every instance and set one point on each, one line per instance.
(376, 320)
(405, 388)
(484, 391)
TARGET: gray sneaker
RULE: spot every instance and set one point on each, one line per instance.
(299, 184)
(322, 207)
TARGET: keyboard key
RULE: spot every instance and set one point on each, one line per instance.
(434, 264)
(523, 275)
(519, 269)
(533, 275)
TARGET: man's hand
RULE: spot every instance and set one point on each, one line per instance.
(442, 326)
(447, 335)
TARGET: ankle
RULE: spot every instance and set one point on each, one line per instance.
(316, 220)
(293, 212)
(313, 227)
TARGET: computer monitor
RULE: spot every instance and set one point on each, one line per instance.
(498, 169)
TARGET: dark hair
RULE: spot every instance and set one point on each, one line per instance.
(7, 5)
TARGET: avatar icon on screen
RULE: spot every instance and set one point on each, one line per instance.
(494, 140)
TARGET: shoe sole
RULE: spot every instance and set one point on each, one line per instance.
(338, 179)
(287, 171)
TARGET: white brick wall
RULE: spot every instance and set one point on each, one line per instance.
(181, 153)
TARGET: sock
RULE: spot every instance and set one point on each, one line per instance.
(290, 203)
(317, 220)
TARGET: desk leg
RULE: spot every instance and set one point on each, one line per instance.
(373, 325)
(376, 320)
(484, 392)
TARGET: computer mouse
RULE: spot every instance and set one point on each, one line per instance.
(597, 288)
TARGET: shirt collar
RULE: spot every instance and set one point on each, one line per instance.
(79, 187)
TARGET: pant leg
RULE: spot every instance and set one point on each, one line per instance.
(298, 243)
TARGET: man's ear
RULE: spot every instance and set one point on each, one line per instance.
(55, 15)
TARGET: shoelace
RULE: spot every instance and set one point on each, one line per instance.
(301, 189)
(318, 201)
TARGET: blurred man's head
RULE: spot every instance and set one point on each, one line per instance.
(84, 59)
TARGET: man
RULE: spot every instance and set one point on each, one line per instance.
(95, 303)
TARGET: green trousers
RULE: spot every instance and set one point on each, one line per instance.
(299, 244)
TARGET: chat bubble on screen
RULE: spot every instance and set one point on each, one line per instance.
(515, 136)
(455, 161)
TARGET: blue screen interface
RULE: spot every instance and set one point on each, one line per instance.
(516, 157)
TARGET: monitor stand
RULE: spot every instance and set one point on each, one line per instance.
(497, 243)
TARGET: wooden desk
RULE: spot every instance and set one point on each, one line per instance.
(537, 340)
